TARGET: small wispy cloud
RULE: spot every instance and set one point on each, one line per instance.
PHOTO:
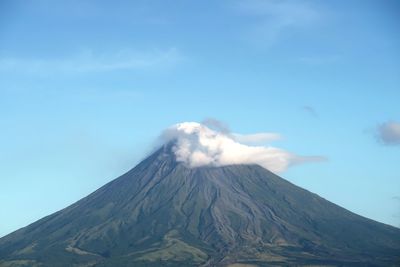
(272, 18)
(388, 133)
(217, 125)
(310, 111)
(90, 61)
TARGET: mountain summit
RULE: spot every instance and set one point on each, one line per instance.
(164, 213)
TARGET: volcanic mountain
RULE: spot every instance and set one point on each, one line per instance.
(164, 213)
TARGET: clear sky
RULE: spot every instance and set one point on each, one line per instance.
(87, 86)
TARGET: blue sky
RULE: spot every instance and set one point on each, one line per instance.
(87, 86)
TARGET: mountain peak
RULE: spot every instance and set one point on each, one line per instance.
(164, 212)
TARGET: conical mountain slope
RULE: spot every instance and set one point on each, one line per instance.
(162, 213)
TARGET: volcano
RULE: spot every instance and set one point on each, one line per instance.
(164, 213)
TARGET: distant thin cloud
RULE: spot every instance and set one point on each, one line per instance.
(89, 61)
(253, 139)
(310, 111)
(320, 59)
(273, 18)
(388, 133)
(257, 138)
(397, 215)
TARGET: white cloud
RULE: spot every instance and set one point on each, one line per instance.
(197, 145)
(389, 133)
(89, 61)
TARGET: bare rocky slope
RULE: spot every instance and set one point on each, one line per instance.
(162, 213)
